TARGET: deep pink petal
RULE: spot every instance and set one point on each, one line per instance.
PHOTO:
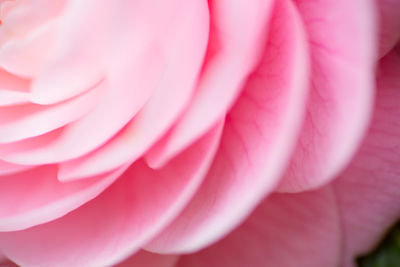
(237, 34)
(37, 196)
(185, 47)
(369, 190)
(259, 135)
(342, 89)
(4, 262)
(2, 258)
(148, 259)
(120, 220)
(389, 14)
(286, 230)
(9, 168)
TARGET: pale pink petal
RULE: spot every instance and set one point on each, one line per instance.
(237, 34)
(19, 18)
(9, 98)
(286, 230)
(148, 259)
(37, 196)
(9, 168)
(24, 121)
(108, 45)
(342, 89)
(131, 78)
(126, 92)
(259, 135)
(368, 192)
(74, 67)
(119, 221)
(185, 47)
(13, 89)
(389, 24)
(27, 57)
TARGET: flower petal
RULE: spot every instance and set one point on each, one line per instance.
(259, 135)
(74, 68)
(389, 24)
(13, 89)
(236, 38)
(38, 196)
(286, 230)
(185, 47)
(334, 224)
(29, 120)
(9, 168)
(368, 192)
(148, 259)
(27, 57)
(342, 89)
(119, 221)
(129, 86)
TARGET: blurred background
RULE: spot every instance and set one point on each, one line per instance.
(386, 253)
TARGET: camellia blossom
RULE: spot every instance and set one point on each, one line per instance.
(198, 133)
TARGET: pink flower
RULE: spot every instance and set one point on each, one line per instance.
(156, 128)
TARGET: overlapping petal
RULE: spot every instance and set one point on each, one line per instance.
(237, 34)
(163, 125)
(185, 48)
(119, 221)
(275, 234)
(259, 134)
(334, 224)
(389, 24)
(368, 192)
(342, 89)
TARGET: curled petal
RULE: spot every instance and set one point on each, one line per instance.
(368, 192)
(119, 221)
(237, 34)
(127, 90)
(389, 24)
(13, 89)
(259, 134)
(342, 89)
(281, 232)
(185, 47)
(148, 259)
(9, 168)
(24, 121)
(38, 196)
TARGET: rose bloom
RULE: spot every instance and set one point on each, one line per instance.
(164, 133)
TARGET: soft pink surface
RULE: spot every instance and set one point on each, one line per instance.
(368, 191)
(237, 34)
(259, 135)
(341, 89)
(123, 218)
(197, 133)
(339, 221)
(275, 234)
(389, 11)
